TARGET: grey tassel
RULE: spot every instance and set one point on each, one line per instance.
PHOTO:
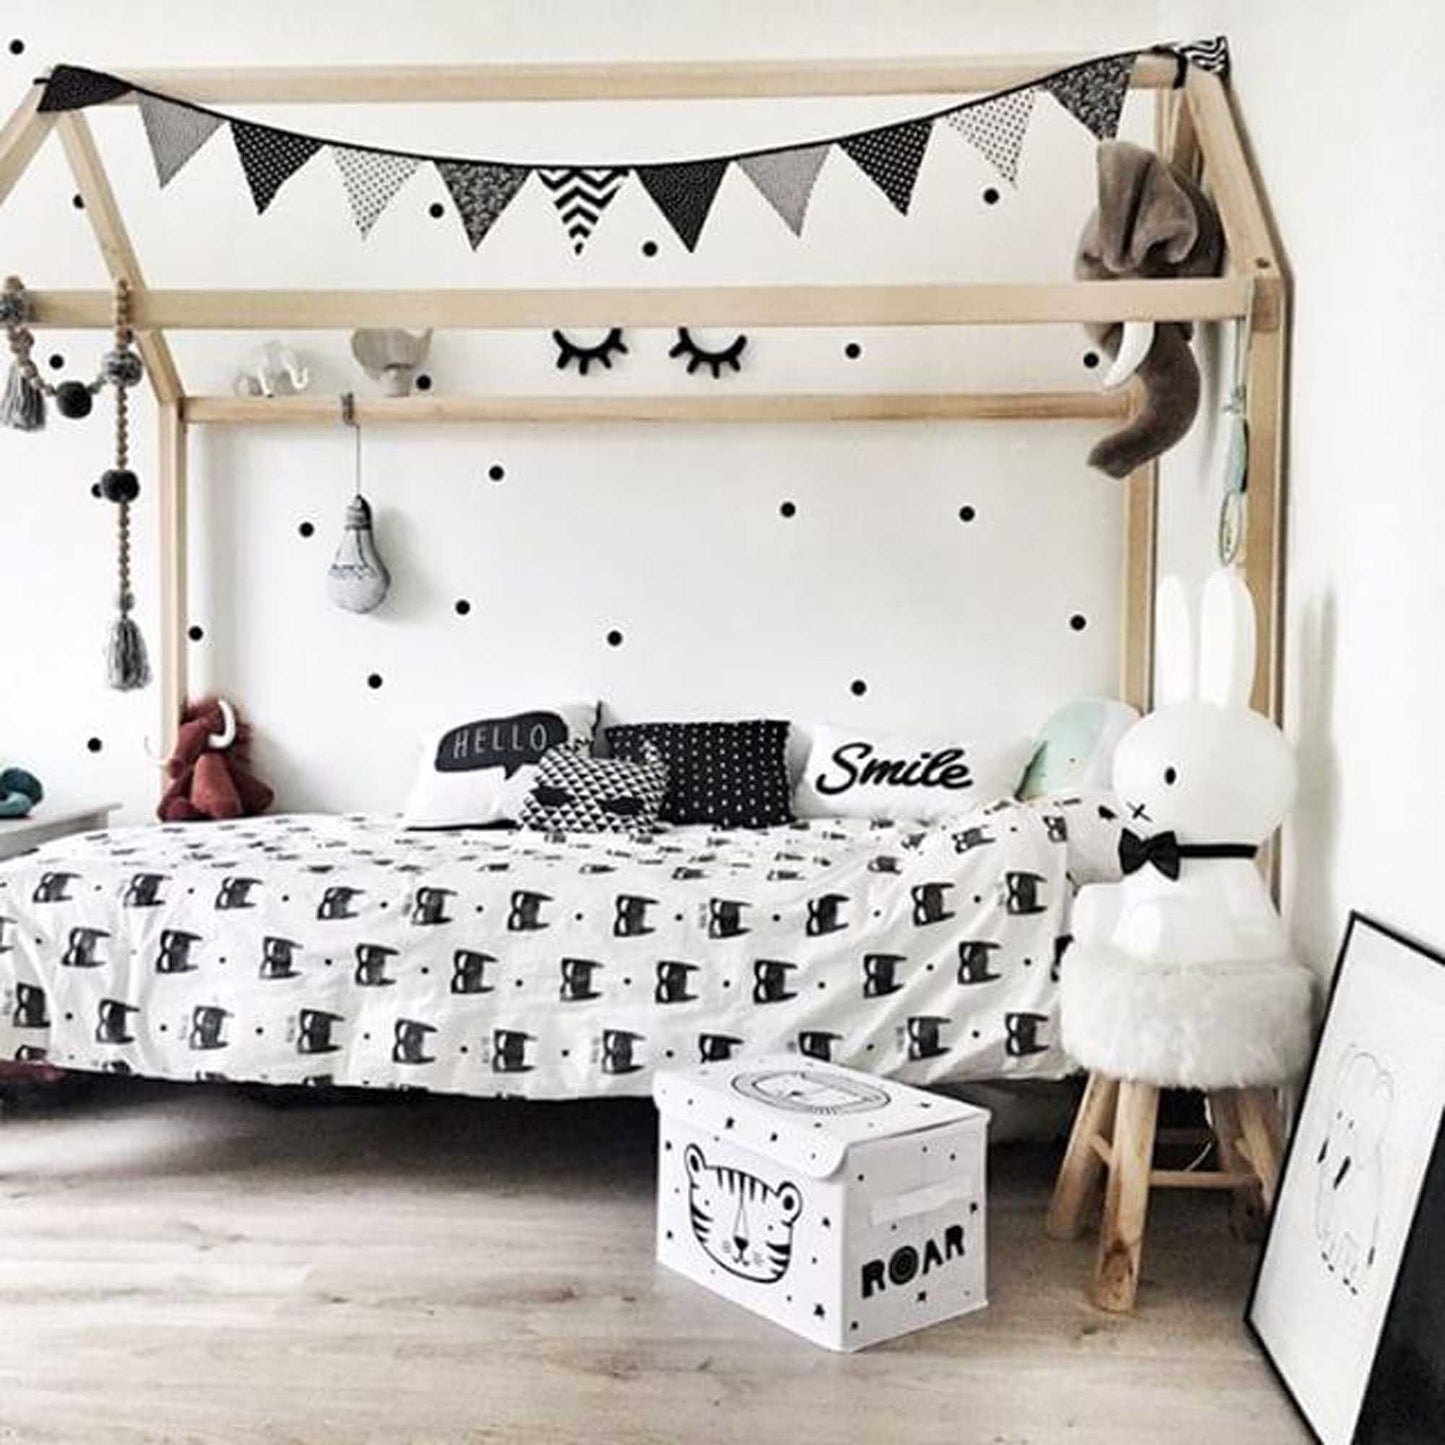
(127, 666)
(23, 405)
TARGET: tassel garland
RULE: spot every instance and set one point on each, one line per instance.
(23, 404)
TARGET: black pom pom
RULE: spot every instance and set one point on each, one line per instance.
(73, 399)
(119, 485)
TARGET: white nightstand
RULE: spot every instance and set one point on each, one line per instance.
(51, 820)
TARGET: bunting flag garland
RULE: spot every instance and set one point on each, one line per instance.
(996, 129)
(1092, 92)
(270, 158)
(890, 158)
(684, 194)
(371, 179)
(175, 133)
(785, 180)
(581, 194)
(482, 191)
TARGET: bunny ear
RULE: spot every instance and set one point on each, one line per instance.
(1174, 642)
(1226, 641)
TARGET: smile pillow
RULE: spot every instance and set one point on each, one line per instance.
(855, 774)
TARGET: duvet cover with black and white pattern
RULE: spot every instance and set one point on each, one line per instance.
(351, 951)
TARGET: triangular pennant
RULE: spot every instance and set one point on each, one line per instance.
(581, 194)
(997, 128)
(890, 158)
(175, 132)
(371, 179)
(785, 179)
(1211, 55)
(72, 87)
(1094, 93)
(270, 158)
(684, 193)
(482, 191)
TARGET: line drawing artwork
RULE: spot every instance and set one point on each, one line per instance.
(1350, 1168)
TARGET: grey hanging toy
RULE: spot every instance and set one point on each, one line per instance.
(127, 666)
(357, 579)
(23, 404)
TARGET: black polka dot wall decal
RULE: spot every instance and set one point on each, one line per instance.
(614, 638)
(423, 382)
(462, 606)
(436, 210)
(78, 202)
(966, 514)
(496, 471)
(17, 47)
(857, 687)
(1091, 359)
(94, 745)
(1078, 622)
(307, 529)
(374, 681)
(649, 248)
(788, 509)
(56, 361)
(852, 351)
(195, 633)
(95, 489)
(990, 196)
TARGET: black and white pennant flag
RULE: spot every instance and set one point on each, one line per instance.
(684, 193)
(1211, 55)
(270, 158)
(581, 194)
(175, 132)
(1094, 93)
(890, 158)
(372, 179)
(482, 190)
(73, 87)
(996, 128)
(785, 179)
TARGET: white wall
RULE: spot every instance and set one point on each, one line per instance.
(1344, 105)
(671, 536)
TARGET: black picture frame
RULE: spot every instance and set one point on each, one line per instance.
(1381, 1416)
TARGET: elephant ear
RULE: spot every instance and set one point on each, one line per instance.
(1141, 206)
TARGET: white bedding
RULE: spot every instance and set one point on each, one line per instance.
(348, 950)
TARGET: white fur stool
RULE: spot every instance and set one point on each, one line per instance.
(1234, 1031)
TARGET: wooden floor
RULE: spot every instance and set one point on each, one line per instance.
(186, 1266)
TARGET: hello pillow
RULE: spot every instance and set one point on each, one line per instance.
(475, 768)
(852, 773)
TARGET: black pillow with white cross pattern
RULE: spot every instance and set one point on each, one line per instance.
(573, 792)
(729, 774)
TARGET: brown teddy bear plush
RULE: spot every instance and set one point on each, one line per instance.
(1152, 222)
(209, 772)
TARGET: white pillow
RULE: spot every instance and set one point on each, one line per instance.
(854, 774)
(475, 768)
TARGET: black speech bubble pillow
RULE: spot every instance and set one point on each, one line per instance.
(476, 769)
(572, 792)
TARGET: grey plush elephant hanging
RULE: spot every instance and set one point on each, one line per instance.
(1152, 222)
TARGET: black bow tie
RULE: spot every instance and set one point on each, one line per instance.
(1164, 851)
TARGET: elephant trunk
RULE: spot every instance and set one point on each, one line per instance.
(1170, 378)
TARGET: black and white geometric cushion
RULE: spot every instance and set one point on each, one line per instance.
(729, 774)
(573, 792)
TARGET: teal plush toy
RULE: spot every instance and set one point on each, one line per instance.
(1076, 746)
(19, 792)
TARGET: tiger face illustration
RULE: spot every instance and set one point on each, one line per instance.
(742, 1223)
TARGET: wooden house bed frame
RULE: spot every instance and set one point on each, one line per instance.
(1195, 127)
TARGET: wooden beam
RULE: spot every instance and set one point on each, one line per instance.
(23, 134)
(174, 550)
(1141, 566)
(977, 304)
(93, 184)
(315, 410)
(657, 80)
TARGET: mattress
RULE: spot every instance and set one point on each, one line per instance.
(351, 951)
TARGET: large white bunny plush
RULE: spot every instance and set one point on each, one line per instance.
(1181, 972)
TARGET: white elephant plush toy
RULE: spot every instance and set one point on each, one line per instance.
(1203, 781)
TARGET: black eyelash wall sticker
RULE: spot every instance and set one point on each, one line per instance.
(700, 356)
(568, 351)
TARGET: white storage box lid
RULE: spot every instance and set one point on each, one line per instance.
(800, 1112)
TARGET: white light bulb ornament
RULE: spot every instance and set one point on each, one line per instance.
(357, 579)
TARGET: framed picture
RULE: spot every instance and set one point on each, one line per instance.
(1339, 1286)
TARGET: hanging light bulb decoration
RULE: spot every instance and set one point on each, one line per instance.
(357, 579)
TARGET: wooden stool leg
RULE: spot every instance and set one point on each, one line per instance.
(1246, 1211)
(1080, 1170)
(1126, 1198)
(1259, 1123)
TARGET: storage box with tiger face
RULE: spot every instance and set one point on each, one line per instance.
(847, 1208)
